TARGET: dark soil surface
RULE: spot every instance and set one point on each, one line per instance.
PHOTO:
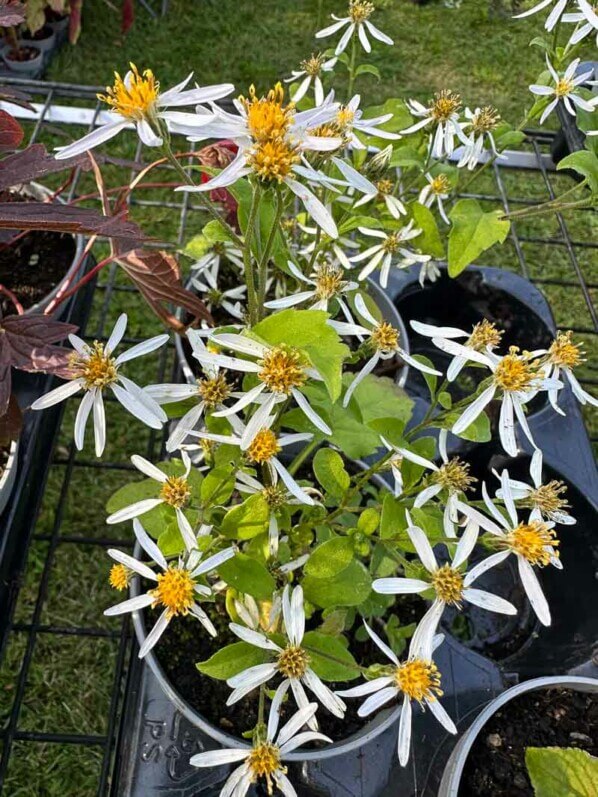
(32, 265)
(545, 718)
(38, 36)
(185, 642)
(22, 54)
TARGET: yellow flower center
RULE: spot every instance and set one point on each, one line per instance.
(282, 369)
(273, 160)
(563, 87)
(329, 281)
(419, 679)
(392, 242)
(119, 577)
(135, 101)
(515, 372)
(563, 352)
(175, 491)
(448, 584)
(293, 662)
(330, 130)
(344, 118)
(445, 104)
(274, 495)
(547, 498)
(267, 117)
(263, 761)
(313, 66)
(483, 335)
(454, 475)
(385, 337)
(96, 367)
(360, 10)
(263, 447)
(485, 120)
(440, 185)
(533, 541)
(385, 187)
(175, 591)
(214, 390)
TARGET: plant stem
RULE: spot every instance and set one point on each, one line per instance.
(302, 456)
(263, 267)
(365, 476)
(252, 297)
(548, 207)
(352, 65)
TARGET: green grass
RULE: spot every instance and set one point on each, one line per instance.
(484, 58)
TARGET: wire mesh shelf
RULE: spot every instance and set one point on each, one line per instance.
(64, 667)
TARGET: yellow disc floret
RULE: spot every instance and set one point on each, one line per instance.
(134, 99)
(385, 337)
(313, 66)
(293, 661)
(564, 353)
(516, 372)
(454, 476)
(563, 87)
(175, 491)
(329, 280)
(485, 119)
(534, 541)
(547, 498)
(484, 335)
(119, 577)
(213, 390)
(263, 761)
(419, 679)
(440, 185)
(97, 368)
(283, 368)
(445, 104)
(175, 591)
(360, 10)
(448, 584)
(268, 117)
(263, 447)
(273, 160)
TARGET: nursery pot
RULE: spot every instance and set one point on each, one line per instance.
(7, 480)
(384, 303)
(41, 193)
(451, 779)
(60, 26)
(46, 44)
(31, 67)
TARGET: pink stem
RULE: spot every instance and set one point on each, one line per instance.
(91, 274)
(7, 292)
(62, 293)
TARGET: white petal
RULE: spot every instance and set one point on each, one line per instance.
(426, 494)
(135, 407)
(404, 740)
(148, 545)
(534, 591)
(275, 706)
(58, 394)
(314, 207)
(379, 698)
(130, 605)
(154, 635)
(474, 410)
(368, 687)
(252, 676)
(99, 423)
(310, 412)
(133, 564)
(85, 408)
(253, 637)
(466, 544)
(134, 510)
(443, 718)
(145, 347)
(117, 333)
(325, 695)
(486, 600)
(91, 140)
(486, 564)
(217, 758)
(388, 652)
(423, 547)
(148, 469)
(290, 483)
(399, 586)
(297, 721)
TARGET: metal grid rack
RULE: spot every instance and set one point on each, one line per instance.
(34, 632)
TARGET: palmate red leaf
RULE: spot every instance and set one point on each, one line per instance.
(26, 343)
(11, 132)
(33, 163)
(12, 13)
(158, 278)
(11, 422)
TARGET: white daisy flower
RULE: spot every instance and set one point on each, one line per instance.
(384, 193)
(565, 355)
(93, 370)
(450, 584)
(517, 378)
(357, 20)
(483, 338)
(334, 247)
(290, 661)
(349, 120)
(436, 191)
(175, 492)
(262, 450)
(383, 338)
(545, 500)
(137, 100)
(586, 20)
(564, 89)
(558, 7)
(249, 612)
(177, 586)
(451, 477)
(219, 251)
(276, 496)
(210, 391)
(281, 372)
(533, 543)
(382, 254)
(327, 283)
(415, 679)
(429, 270)
(310, 72)
(229, 299)
(265, 759)
(478, 129)
(443, 115)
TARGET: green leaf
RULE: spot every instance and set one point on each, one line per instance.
(307, 330)
(320, 646)
(197, 247)
(360, 221)
(368, 69)
(329, 470)
(429, 240)
(231, 660)
(381, 397)
(242, 192)
(585, 163)
(217, 486)
(473, 231)
(248, 575)
(401, 119)
(407, 157)
(216, 232)
(246, 520)
(330, 558)
(368, 520)
(479, 431)
(350, 587)
(431, 379)
(392, 519)
(562, 772)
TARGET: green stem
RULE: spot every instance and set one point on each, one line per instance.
(546, 208)
(252, 297)
(352, 65)
(263, 267)
(365, 476)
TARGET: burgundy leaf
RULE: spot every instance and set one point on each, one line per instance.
(33, 163)
(11, 422)
(11, 132)
(15, 97)
(12, 13)
(158, 278)
(5, 374)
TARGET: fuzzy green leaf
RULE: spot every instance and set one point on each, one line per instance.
(562, 772)
(330, 558)
(585, 163)
(429, 240)
(321, 646)
(329, 470)
(473, 231)
(350, 587)
(246, 520)
(231, 660)
(248, 575)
